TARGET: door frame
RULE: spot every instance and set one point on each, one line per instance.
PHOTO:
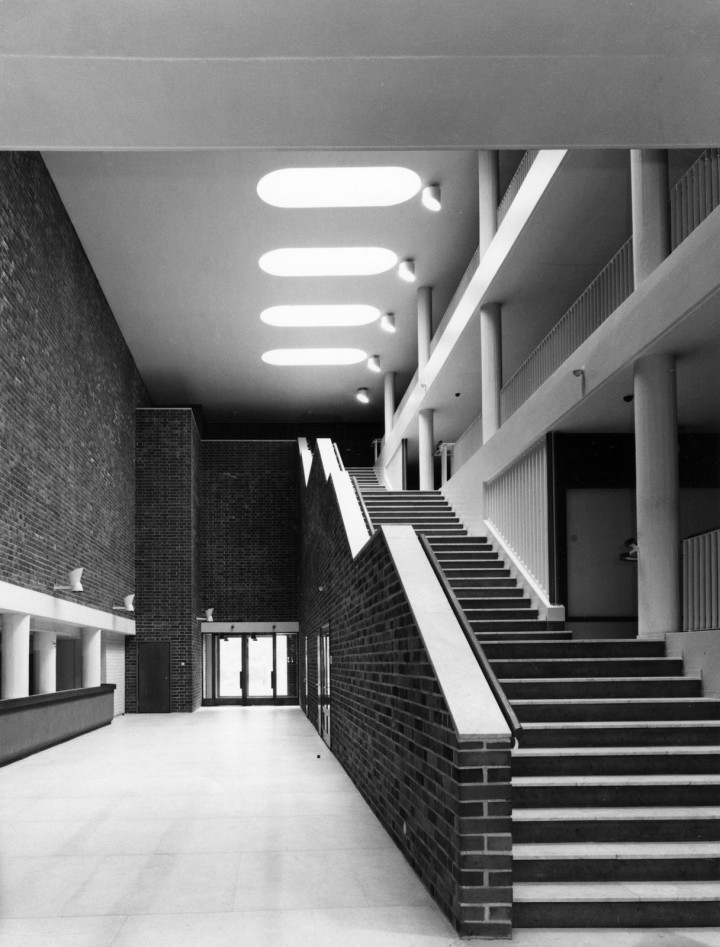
(324, 659)
(214, 699)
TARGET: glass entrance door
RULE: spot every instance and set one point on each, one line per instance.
(250, 669)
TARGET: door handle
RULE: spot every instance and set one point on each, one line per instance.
(240, 679)
(272, 680)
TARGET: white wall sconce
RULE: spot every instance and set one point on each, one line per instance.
(362, 396)
(406, 270)
(387, 322)
(373, 363)
(74, 583)
(208, 616)
(430, 197)
(128, 604)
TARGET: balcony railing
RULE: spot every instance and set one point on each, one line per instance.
(602, 297)
(695, 196)
(514, 185)
(516, 504)
(701, 581)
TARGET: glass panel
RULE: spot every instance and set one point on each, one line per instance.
(230, 667)
(281, 660)
(260, 666)
(207, 642)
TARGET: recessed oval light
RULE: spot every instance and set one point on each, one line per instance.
(314, 356)
(327, 261)
(323, 316)
(338, 187)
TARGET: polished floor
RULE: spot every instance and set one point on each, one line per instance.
(230, 826)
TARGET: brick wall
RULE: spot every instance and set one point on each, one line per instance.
(68, 393)
(168, 599)
(249, 529)
(446, 803)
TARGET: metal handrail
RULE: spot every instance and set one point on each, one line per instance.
(337, 454)
(364, 509)
(498, 693)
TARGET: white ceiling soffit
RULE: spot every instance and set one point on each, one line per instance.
(335, 74)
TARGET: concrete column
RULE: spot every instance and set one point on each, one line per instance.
(91, 657)
(389, 381)
(488, 197)
(15, 656)
(45, 648)
(424, 325)
(425, 449)
(490, 368)
(650, 211)
(658, 496)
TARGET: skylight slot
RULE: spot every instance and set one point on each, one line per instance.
(314, 356)
(320, 316)
(327, 261)
(338, 187)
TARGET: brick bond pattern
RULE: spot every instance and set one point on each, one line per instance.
(168, 596)
(445, 803)
(249, 530)
(68, 393)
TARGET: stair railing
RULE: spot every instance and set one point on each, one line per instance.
(363, 507)
(701, 581)
(497, 691)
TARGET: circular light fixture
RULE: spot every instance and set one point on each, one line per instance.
(321, 316)
(327, 261)
(362, 395)
(314, 356)
(373, 363)
(406, 270)
(430, 197)
(387, 322)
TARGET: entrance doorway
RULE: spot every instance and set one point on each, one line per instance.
(250, 668)
(323, 656)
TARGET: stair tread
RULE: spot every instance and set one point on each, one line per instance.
(556, 751)
(691, 675)
(613, 700)
(624, 779)
(615, 813)
(617, 891)
(613, 724)
(631, 850)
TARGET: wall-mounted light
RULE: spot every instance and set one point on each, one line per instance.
(387, 322)
(406, 270)
(373, 363)
(74, 583)
(362, 396)
(578, 372)
(128, 604)
(208, 616)
(431, 197)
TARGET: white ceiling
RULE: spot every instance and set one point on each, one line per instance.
(157, 118)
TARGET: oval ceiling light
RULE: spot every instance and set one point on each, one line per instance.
(323, 316)
(327, 261)
(314, 356)
(338, 187)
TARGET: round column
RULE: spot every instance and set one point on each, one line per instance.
(650, 211)
(424, 325)
(91, 657)
(488, 198)
(658, 496)
(490, 367)
(15, 656)
(425, 450)
(45, 648)
(389, 382)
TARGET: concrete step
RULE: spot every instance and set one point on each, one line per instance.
(626, 648)
(671, 789)
(477, 576)
(616, 861)
(615, 760)
(587, 667)
(494, 636)
(516, 624)
(621, 733)
(600, 687)
(667, 708)
(450, 560)
(630, 823)
(634, 904)
(467, 597)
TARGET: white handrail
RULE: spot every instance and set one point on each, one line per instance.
(695, 195)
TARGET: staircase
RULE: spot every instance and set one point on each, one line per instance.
(616, 782)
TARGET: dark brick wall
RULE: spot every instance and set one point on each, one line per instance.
(354, 439)
(446, 803)
(168, 581)
(68, 393)
(250, 529)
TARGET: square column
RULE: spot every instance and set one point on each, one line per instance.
(658, 496)
(91, 657)
(45, 648)
(15, 656)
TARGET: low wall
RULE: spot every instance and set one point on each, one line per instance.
(29, 724)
